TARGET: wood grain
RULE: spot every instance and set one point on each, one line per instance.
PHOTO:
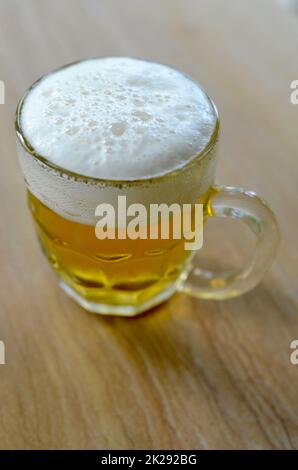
(189, 374)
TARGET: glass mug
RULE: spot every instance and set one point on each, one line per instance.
(127, 277)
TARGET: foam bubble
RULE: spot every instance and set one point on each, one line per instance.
(117, 118)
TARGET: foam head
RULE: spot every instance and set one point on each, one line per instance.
(117, 118)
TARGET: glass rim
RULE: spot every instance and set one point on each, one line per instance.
(108, 181)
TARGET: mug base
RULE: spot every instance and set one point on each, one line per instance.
(120, 310)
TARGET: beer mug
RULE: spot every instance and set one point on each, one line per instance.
(100, 129)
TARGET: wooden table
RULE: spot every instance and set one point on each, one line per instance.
(189, 374)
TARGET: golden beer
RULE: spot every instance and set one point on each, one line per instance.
(109, 272)
(96, 130)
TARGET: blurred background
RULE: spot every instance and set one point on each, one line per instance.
(244, 53)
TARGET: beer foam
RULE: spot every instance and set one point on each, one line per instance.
(117, 118)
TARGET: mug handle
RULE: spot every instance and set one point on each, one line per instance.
(237, 203)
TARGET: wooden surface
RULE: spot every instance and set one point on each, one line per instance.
(189, 374)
